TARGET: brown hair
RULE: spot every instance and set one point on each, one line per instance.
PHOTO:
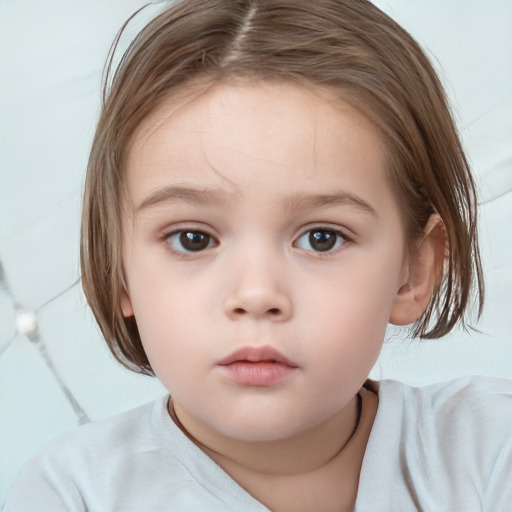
(348, 46)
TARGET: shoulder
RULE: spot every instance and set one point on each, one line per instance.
(85, 458)
(488, 399)
(468, 412)
(448, 441)
(108, 435)
(463, 387)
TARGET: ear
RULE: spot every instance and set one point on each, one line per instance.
(126, 303)
(422, 273)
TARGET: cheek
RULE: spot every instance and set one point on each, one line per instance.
(350, 312)
(352, 330)
(170, 310)
(173, 345)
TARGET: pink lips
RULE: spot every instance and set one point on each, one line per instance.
(256, 366)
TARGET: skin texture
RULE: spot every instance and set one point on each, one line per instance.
(257, 168)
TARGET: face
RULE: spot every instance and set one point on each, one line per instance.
(263, 254)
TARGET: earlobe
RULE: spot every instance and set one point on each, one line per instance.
(424, 270)
(126, 304)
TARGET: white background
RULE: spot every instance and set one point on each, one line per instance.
(52, 53)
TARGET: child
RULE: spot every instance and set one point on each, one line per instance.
(271, 182)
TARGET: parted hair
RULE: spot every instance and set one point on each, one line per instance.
(348, 46)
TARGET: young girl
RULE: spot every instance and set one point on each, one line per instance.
(271, 182)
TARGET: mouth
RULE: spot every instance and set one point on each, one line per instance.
(257, 366)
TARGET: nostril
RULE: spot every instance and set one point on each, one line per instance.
(274, 311)
(239, 311)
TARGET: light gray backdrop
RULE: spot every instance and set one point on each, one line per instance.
(52, 53)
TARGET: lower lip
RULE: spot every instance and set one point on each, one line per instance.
(261, 374)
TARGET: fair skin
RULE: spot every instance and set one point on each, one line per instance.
(261, 219)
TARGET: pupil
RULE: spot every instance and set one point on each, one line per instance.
(322, 240)
(194, 240)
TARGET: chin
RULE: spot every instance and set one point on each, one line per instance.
(262, 428)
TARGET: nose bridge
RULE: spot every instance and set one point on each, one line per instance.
(258, 285)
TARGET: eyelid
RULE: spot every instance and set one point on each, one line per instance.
(181, 226)
(341, 232)
(167, 234)
(345, 232)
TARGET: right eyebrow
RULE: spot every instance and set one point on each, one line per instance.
(184, 194)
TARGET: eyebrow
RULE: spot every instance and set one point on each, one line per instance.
(184, 194)
(307, 201)
(211, 196)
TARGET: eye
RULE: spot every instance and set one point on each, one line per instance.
(186, 241)
(320, 240)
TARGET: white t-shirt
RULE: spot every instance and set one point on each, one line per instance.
(441, 448)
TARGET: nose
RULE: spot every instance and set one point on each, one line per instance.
(258, 292)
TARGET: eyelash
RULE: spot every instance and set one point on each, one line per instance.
(178, 233)
(340, 239)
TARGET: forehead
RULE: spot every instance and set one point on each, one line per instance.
(275, 138)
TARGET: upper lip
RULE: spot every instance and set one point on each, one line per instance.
(257, 354)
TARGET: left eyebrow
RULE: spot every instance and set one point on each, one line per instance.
(305, 201)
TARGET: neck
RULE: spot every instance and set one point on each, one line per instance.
(301, 453)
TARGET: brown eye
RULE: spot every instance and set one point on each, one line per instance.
(320, 240)
(190, 241)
